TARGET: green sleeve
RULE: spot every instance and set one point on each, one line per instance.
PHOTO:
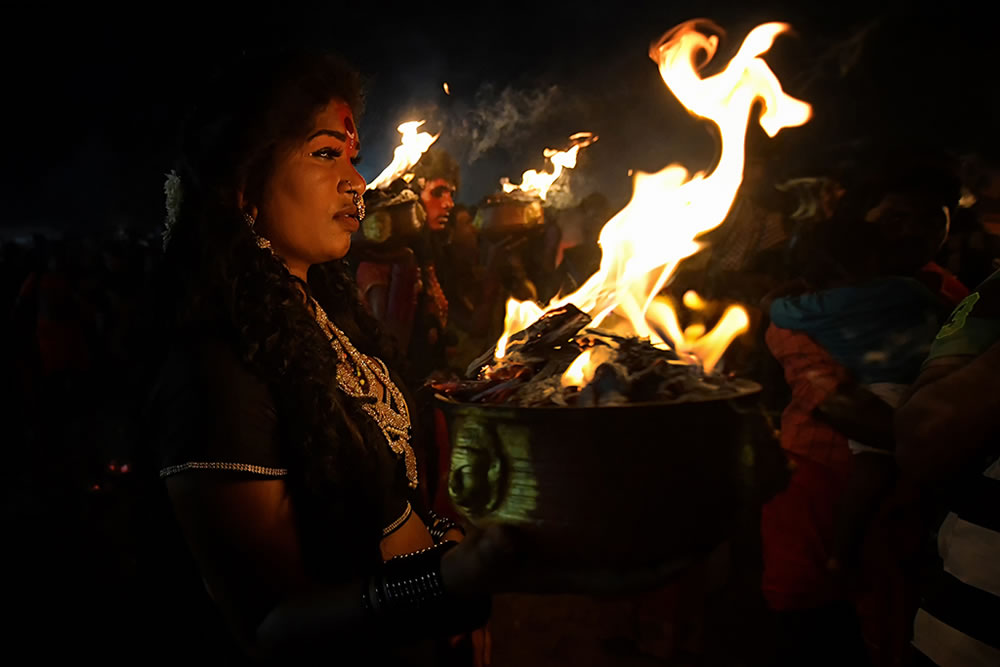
(974, 325)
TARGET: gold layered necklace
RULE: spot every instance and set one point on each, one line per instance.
(367, 379)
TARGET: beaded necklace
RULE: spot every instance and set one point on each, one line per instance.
(367, 379)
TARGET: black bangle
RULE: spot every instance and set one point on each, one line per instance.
(440, 526)
(407, 583)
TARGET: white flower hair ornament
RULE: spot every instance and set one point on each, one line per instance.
(174, 195)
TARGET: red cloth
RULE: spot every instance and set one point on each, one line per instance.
(797, 525)
(797, 528)
(948, 286)
(401, 280)
(813, 376)
(371, 274)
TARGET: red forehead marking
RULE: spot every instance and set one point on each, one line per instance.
(352, 134)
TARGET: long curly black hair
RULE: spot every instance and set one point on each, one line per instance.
(214, 275)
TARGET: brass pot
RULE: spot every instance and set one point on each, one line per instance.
(603, 489)
(509, 216)
(395, 223)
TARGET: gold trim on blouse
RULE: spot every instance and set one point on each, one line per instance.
(398, 522)
(216, 465)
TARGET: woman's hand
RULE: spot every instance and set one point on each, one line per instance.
(478, 562)
(454, 535)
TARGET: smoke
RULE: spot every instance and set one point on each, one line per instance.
(503, 117)
(572, 186)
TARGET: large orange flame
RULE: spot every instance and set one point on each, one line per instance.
(413, 145)
(644, 243)
(538, 183)
(582, 370)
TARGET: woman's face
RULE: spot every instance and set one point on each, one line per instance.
(307, 210)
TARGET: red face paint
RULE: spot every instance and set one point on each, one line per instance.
(352, 133)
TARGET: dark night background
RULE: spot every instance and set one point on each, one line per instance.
(92, 99)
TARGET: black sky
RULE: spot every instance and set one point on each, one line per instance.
(92, 100)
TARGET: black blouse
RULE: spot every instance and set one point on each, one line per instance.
(213, 413)
(209, 413)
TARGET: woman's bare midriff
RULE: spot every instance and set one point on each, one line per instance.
(411, 536)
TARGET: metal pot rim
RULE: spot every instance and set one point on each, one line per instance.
(747, 388)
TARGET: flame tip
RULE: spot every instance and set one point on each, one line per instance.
(640, 253)
(538, 183)
(412, 146)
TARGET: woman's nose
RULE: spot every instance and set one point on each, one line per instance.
(358, 180)
(354, 183)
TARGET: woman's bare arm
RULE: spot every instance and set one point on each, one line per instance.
(242, 534)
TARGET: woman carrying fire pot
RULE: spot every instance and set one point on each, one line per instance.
(282, 440)
(279, 441)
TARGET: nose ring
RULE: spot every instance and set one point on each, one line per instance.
(359, 203)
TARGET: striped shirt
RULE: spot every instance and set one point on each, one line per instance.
(959, 619)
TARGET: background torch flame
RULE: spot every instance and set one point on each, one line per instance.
(413, 145)
(537, 183)
(644, 243)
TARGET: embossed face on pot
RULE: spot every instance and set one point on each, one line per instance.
(438, 200)
(308, 209)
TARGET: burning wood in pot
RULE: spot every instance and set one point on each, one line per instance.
(547, 356)
(559, 361)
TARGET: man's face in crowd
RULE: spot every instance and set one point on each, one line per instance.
(438, 200)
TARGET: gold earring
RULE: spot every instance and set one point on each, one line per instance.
(262, 242)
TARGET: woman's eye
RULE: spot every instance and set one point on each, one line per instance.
(328, 153)
(356, 160)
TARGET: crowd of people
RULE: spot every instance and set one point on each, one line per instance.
(873, 334)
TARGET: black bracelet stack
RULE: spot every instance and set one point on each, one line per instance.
(407, 594)
(440, 526)
(408, 583)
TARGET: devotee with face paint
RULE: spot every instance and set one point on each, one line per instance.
(436, 176)
(281, 442)
(420, 327)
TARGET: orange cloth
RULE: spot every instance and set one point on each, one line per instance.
(949, 287)
(797, 525)
(813, 376)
